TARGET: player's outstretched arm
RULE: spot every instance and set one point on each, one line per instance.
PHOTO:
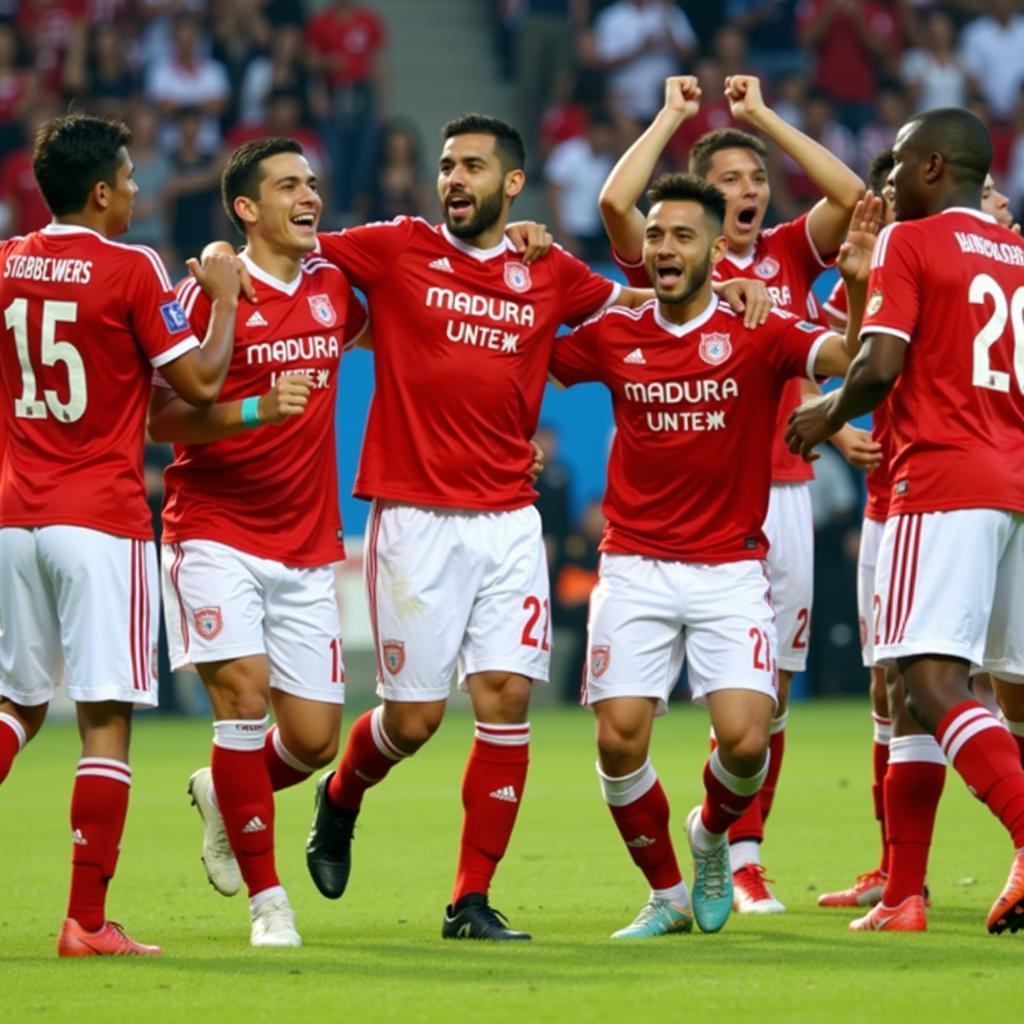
(854, 263)
(198, 375)
(830, 217)
(172, 420)
(632, 174)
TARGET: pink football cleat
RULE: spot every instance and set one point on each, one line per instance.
(909, 916)
(110, 940)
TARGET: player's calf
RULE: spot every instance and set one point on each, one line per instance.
(18, 725)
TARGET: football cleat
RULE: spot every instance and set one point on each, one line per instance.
(657, 917)
(218, 858)
(1007, 913)
(909, 916)
(273, 924)
(712, 881)
(110, 940)
(865, 892)
(474, 918)
(751, 894)
(329, 846)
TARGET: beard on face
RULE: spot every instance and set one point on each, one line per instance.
(693, 282)
(486, 215)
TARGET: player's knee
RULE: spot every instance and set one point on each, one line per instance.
(246, 705)
(413, 726)
(617, 745)
(744, 752)
(315, 752)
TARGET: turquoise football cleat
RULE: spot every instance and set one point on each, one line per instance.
(712, 881)
(657, 917)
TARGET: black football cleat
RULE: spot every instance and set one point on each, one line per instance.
(473, 918)
(329, 846)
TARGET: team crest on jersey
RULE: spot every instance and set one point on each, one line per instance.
(209, 622)
(715, 348)
(322, 310)
(767, 268)
(517, 277)
(600, 659)
(874, 303)
(394, 655)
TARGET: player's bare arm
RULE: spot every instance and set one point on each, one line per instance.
(199, 374)
(531, 240)
(830, 217)
(172, 420)
(631, 175)
(748, 296)
(854, 263)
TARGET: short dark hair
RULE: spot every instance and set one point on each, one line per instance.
(243, 173)
(72, 153)
(676, 187)
(959, 137)
(722, 138)
(881, 167)
(508, 143)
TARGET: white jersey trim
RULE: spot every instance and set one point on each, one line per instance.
(814, 249)
(259, 274)
(812, 356)
(481, 255)
(175, 352)
(881, 329)
(679, 330)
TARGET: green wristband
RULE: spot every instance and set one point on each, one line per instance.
(251, 412)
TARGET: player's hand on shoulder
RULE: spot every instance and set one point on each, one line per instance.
(531, 240)
(288, 397)
(218, 275)
(536, 462)
(858, 448)
(683, 94)
(809, 425)
(854, 260)
(747, 296)
(744, 95)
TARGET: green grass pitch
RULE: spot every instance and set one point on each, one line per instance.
(377, 954)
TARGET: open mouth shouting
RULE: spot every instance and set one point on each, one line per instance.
(746, 215)
(458, 204)
(305, 222)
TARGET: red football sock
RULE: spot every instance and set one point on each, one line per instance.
(12, 739)
(369, 755)
(640, 809)
(283, 767)
(1016, 731)
(988, 760)
(99, 806)
(913, 785)
(727, 796)
(492, 789)
(879, 765)
(245, 799)
(776, 750)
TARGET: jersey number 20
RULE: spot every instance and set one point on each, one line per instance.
(985, 287)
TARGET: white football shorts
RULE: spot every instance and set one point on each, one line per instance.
(952, 583)
(455, 590)
(221, 603)
(867, 605)
(789, 527)
(81, 606)
(649, 615)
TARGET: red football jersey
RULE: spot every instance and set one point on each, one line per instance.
(957, 408)
(84, 322)
(462, 338)
(271, 492)
(694, 405)
(878, 482)
(785, 259)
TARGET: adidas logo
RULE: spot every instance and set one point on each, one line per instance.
(256, 320)
(255, 825)
(506, 793)
(78, 839)
(442, 264)
(640, 842)
(636, 357)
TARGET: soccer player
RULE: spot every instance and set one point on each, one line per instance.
(938, 339)
(252, 527)
(682, 575)
(787, 258)
(85, 319)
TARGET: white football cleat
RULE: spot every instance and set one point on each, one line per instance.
(751, 895)
(219, 861)
(273, 924)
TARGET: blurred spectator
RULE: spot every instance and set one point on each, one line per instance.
(714, 113)
(17, 91)
(554, 490)
(852, 42)
(156, 18)
(241, 32)
(281, 70)
(398, 186)
(1014, 178)
(639, 43)
(992, 49)
(344, 44)
(284, 120)
(25, 210)
(768, 25)
(152, 173)
(545, 49)
(729, 46)
(101, 75)
(52, 29)
(790, 99)
(934, 74)
(575, 173)
(891, 112)
(189, 81)
(819, 122)
(193, 191)
(576, 94)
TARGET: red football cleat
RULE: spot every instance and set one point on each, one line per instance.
(110, 940)
(1007, 913)
(865, 892)
(907, 917)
